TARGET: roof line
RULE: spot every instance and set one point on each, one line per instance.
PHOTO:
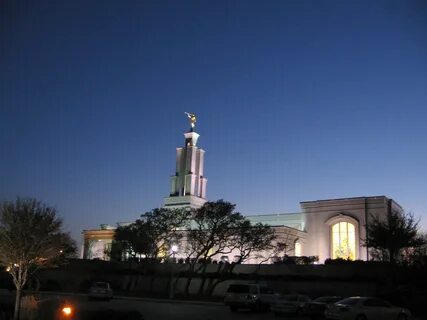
(350, 198)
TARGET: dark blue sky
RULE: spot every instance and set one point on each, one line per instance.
(296, 101)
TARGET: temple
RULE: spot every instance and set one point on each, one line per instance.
(327, 228)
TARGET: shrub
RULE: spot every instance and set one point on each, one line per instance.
(303, 260)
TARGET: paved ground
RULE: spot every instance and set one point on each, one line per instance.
(156, 309)
(180, 310)
(153, 310)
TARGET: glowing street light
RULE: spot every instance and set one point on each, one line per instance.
(67, 312)
(174, 250)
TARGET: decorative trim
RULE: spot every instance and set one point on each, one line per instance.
(342, 218)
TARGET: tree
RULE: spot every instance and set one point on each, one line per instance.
(388, 238)
(251, 239)
(216, 229)
(284, 243)
(133, 240)
(31, 238)
(213, 230)
(248, 240)
(153, 234)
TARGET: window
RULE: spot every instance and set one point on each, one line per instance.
(297, 249)
(344, 241)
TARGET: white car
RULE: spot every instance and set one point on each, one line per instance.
(290, 304)
(249, 296)
(100, 290)
(365, 308)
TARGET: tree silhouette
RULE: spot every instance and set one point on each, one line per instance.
(388, 237)
(153, 235)
(31, 238)
(216, 229)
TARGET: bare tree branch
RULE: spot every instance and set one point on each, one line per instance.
(30, 238)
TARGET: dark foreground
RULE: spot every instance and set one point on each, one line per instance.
(49, 308)
(135, 309)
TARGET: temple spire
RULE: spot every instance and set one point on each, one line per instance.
(188, 185)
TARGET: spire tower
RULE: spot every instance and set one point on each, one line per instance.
(188, 185)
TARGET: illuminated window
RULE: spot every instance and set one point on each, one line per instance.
(344, 241)
(297, 249)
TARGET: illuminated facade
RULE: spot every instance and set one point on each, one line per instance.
(332, 228)
(188, 184)
(336, 228)
(97, 243)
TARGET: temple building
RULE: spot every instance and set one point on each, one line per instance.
(329, 228)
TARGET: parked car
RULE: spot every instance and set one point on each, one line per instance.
(100, 290)
(290, 304)
(365, 308)
(250, 296)
(315, 309)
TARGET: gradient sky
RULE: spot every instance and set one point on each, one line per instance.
(296, 101)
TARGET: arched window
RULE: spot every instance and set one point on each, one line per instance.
(297, 249)
(344, 241)
(344, 237)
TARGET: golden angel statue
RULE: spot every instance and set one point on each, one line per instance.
(192, 118)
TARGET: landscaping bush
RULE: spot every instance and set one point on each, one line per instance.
(303, 260)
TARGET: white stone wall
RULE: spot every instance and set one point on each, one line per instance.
(318, 213)
(285, 235)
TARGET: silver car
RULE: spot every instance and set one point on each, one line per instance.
(365, 308)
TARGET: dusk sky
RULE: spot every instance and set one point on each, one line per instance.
(296, 101)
